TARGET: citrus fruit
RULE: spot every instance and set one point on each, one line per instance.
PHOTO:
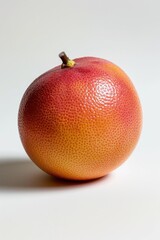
(80, 120)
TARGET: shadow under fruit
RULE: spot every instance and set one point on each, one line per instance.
(80, 120)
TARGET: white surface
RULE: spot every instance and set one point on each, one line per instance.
(126, 204)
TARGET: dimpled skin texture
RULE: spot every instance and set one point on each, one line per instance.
(81, 122)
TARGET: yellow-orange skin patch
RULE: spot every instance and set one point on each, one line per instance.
(81, 122)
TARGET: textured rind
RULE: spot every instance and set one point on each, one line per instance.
(82, 122)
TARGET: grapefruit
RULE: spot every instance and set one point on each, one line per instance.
(80, 120)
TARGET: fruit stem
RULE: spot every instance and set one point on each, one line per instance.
(66, 61)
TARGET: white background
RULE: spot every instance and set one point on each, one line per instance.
(124, 205)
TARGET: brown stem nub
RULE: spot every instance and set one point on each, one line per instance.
(66, 62)
(64, 58)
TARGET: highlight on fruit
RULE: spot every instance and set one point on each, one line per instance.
(80, 120)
